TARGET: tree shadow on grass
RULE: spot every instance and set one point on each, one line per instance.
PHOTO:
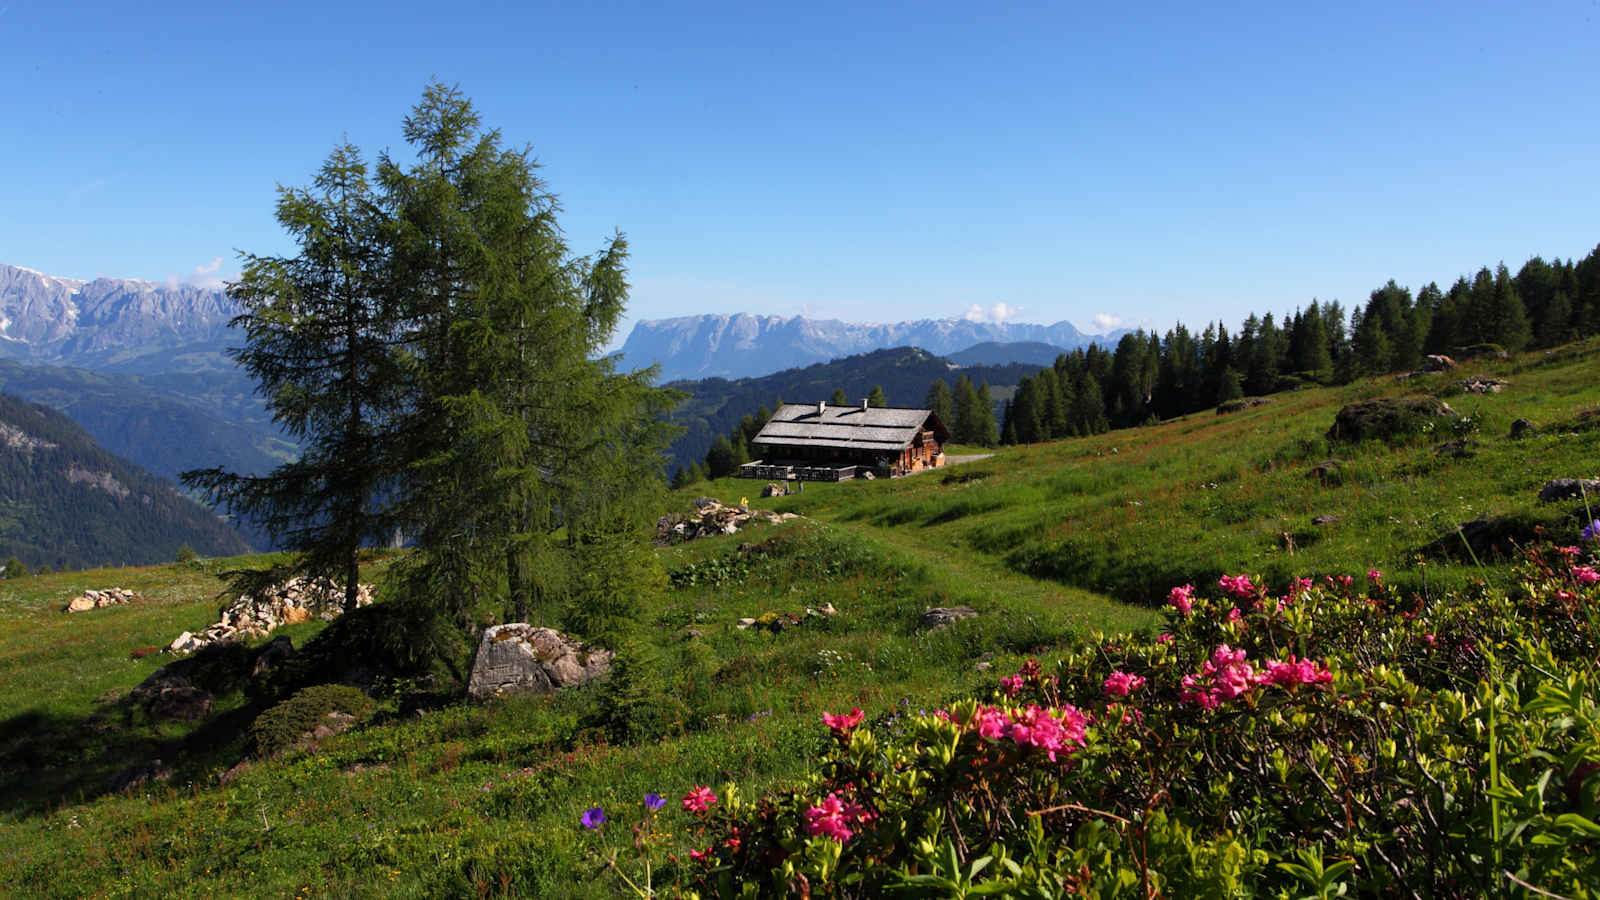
(48, 759)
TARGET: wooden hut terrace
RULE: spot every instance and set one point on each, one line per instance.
(818, 442)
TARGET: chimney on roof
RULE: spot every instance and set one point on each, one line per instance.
(863, 404)
(821, 405)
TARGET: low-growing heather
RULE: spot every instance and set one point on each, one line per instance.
(1320, 737)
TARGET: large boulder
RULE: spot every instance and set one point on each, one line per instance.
(92, 599)
(519, 658)
(1388, 418)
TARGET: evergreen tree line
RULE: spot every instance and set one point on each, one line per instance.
(1150, 377)
(434, 346)
(968, 412)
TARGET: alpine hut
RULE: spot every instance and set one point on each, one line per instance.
(818, 442)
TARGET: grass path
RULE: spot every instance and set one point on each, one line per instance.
(988, 577)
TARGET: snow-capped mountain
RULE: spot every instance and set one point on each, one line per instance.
(108, 323)
(744, 345)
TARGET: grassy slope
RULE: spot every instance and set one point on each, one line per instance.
(1046, 541)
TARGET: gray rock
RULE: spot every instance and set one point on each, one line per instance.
(1569, 488)
(1437, 363)
(1520, 429)
(333, 723)
(519, 658)
(1324, 520)
(941, 616)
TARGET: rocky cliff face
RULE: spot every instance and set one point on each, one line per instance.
(108, 323)
(743, 345)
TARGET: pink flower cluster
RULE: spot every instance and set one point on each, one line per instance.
(1121, 684)
(1237, 585)
(699, 799)
(1011, 684)
(1585, 574)
(1224, 676)
(1227, 676)
(1302, 671)
(843, 722)
(833, 818)
(1053, 731)
(1182, 598)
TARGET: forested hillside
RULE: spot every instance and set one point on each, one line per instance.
(66, 502)
(1149, 377)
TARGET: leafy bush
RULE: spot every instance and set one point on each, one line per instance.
(290, 722)
(1329, 738)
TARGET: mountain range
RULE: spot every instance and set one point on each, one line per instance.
(744, 345)
(113, 324)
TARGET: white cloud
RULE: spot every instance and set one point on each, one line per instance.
(1106, 321)
(206, 275)
(1000, 312)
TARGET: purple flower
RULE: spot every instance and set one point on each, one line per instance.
(654, 802)
(1590, 531)
(594, 818)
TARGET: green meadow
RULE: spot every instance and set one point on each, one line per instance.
(431, 795)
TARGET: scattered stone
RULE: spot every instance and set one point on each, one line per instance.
(1325, 520)
(1387, 418)
(1459, 448)
(297, 600)
(868, 476)
(1243, 403)
(1327, 470)
(1520, 429)
(745, 623)
(101, 599)
(333, 723)
(940, 616)
(277, 650)
(1483, 384)
(137, 775)
(165, 695)
(1484, 538)
(1492, 351)
(774, 489)
(1437, 362)
(711, 518)
(519, 658)
(1569, 488)
(982, 665)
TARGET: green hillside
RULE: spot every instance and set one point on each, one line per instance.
(66, 501)
(430, 796)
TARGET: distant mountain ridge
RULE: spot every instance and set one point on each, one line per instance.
(65, 501)
(743, 345)
(113, 324)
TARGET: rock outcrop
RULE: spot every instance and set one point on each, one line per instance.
(712, 517)
(296, 600)
(1387, 418)
(1569, 489)
(519, 658)
(101, 599)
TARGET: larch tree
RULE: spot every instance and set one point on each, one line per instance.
(524, 445)
(319, 329)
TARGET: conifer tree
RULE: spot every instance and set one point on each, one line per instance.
(877, 398)
(988, 432)
(838, 398)
(939, 400)
(318, 332)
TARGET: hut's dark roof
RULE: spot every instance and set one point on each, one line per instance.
(871, 428)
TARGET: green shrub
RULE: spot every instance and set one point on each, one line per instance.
(187, 554)
(292, 721)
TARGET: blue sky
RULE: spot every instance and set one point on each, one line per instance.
(1138, 164)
